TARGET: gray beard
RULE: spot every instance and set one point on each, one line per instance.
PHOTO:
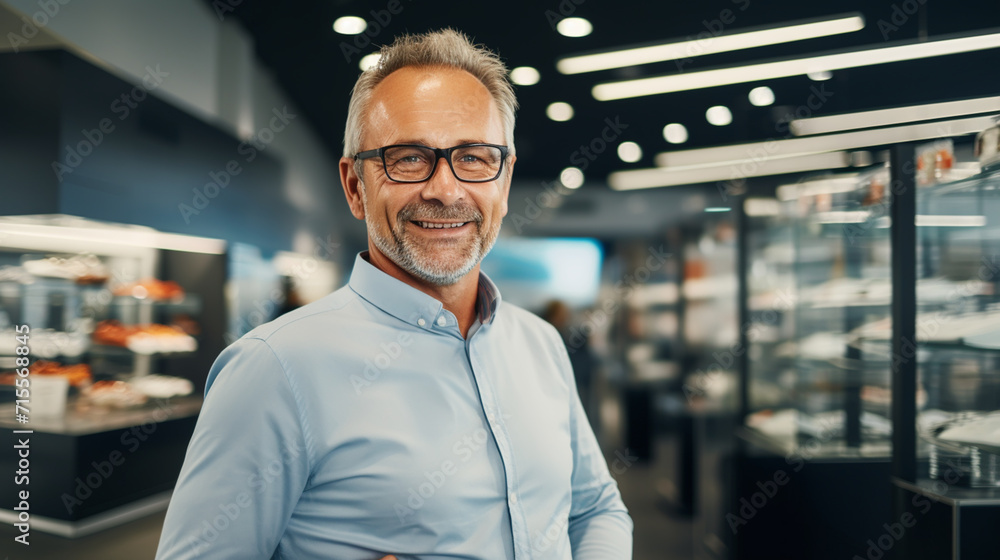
(402, 250)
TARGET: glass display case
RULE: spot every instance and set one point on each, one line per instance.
(958, 329)
(771, 298)
(89, 293)
(115, 327)
(818, 272)
(710, 322)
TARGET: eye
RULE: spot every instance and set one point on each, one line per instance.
(406, 156)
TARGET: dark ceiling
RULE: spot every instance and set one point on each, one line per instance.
(317, 66)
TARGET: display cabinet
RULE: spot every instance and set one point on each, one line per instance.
(120, 324)
(819, 271)
(815, 436)
(886, 372)
(949, 481)
(770, 304)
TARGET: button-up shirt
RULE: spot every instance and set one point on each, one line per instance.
(365, 424)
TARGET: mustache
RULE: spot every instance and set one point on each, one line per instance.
(417, 212)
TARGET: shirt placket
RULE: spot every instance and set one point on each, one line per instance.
(495, 419)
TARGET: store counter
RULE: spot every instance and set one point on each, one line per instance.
(94, 468)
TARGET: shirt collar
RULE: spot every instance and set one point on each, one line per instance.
(409, 304)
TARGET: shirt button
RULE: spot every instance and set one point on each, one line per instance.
(513, 499)
(421, 321)
(442, 321)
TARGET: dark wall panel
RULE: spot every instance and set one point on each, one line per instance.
(129, 156)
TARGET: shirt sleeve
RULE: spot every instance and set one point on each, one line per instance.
(246, 465)
(599, 524)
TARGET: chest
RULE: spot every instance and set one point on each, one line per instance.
(430, 436)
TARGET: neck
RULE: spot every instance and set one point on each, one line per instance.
(459, 298)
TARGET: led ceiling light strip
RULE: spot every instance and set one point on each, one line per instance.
(815, 144)
(898, 115)
(931, 220)
(793, 67)
(660, 177)
(710, 45)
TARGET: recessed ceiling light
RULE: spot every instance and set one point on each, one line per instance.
(525, 76)
(821, 76)
(685, 50)
(720, 115)
(629, 152)
(559, 111)
(571, 178)
(675, 133)
(761, 96)
(369, 61)
(574, 27)
(350, 25)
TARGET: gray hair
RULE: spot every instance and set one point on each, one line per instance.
(446, 47)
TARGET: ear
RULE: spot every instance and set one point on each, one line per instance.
(352, 187)
(505, 184)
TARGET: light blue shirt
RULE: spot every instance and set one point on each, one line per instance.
(364, 424)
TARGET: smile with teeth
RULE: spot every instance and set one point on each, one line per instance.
(433, 225)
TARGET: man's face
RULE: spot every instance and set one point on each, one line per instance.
(440, 229)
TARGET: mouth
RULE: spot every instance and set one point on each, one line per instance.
(438, 225)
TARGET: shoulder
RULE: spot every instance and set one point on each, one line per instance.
(517, 318)
(331, 309)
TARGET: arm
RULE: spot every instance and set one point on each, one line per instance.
(246, 465)
(599, 525)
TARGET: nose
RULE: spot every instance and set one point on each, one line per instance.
(443, 186)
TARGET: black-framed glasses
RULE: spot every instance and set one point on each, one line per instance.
(414, 163)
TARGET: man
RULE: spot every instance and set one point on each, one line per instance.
(410, 413)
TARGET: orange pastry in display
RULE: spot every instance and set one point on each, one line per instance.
(151, 288)
(78, 374)
(144, 339)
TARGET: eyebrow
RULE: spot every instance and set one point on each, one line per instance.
(425, 143)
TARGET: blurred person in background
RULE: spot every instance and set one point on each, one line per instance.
(410, 414)
(581, 357)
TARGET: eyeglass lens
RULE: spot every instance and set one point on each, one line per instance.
(471, 163)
